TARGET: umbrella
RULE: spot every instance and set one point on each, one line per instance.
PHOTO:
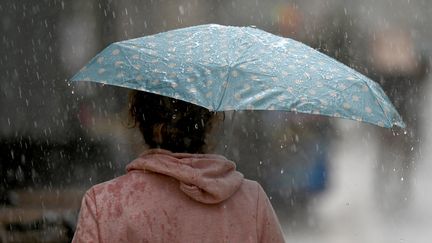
(241, 68)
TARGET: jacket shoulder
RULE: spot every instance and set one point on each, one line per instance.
(116, 187)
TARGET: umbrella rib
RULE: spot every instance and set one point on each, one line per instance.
(380, 105)
(224, 87)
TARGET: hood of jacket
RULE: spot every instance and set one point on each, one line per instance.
(206, 178)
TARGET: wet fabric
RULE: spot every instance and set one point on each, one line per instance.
(241, 68)
(178, 197)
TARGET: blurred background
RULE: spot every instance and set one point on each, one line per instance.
(329, 180)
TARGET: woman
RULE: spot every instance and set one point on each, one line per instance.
(175, 192)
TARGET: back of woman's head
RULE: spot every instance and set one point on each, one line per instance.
(168, 123)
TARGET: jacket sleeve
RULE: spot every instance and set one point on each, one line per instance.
(269, 229)
(87, 229)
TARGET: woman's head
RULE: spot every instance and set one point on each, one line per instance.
(170, 124)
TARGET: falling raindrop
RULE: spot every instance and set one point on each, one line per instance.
(181, 10)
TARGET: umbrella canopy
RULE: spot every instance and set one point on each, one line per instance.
(241, 68)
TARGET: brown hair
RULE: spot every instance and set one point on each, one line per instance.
(169, 123)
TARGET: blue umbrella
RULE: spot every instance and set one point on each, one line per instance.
(241, 68)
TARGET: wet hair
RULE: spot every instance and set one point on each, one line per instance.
(169, 123)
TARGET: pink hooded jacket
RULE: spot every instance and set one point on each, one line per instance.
(178, 197)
